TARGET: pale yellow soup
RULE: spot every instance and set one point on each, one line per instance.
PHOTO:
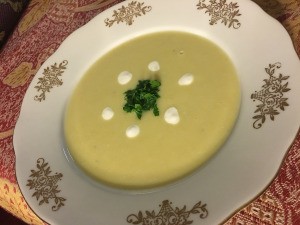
(162, 153)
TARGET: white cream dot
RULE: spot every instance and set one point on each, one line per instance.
(124, 77)
(132, 131)
(186, 79)
(107, 113)
(172, 116)
(154, 66)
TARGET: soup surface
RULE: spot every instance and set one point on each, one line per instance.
(206, 106)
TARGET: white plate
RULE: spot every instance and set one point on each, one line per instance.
(258, 46)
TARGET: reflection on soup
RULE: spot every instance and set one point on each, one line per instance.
(198, 105)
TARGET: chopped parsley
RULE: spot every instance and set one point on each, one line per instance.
(143, 98)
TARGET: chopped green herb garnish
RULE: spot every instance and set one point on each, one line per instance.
(143, 98)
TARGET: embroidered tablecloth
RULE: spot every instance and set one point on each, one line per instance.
(42, 28)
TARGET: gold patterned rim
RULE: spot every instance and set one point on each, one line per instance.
(271, 96)
(127, 14)
(50, 79)
(175, 216)
(44, 184)
(57, 70)
(226, 13)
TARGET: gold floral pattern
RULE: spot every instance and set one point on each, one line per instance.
(45, 185)
(19, 76)
(168, 215)
(271, 96)
(127, 14)
(50, 79)
(37, 10)
(220, 10)
(286, 11)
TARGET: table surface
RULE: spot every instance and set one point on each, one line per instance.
(43, 26)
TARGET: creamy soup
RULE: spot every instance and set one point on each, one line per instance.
(198, 105)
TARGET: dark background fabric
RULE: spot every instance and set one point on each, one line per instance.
(8, 219)
(10, 12)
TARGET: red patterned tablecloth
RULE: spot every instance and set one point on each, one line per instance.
(42, 28)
